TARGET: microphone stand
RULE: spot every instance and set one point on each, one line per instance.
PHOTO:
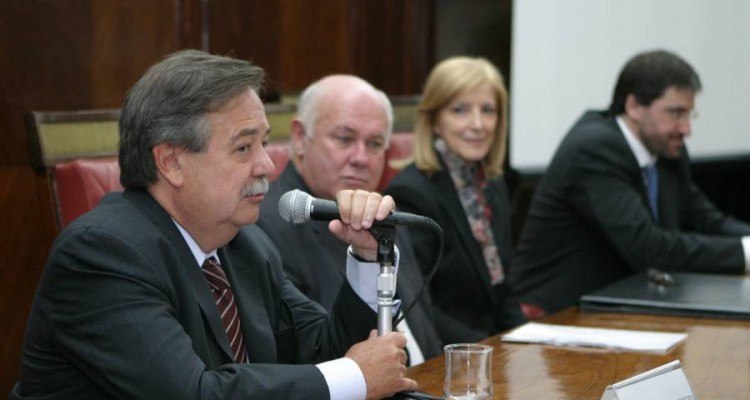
(385, 235)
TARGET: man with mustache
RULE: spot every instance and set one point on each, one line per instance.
(618, 198)
(167, 290)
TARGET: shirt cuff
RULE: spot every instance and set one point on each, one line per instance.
(746, 249)
(363, 278)
(344, 378)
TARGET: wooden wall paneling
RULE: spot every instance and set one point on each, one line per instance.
(475, 28)
(55, 55)
(294, 41)
(24, 241)
(128, 37)
(299, 41)
(314, 40)
(250, 30)
(392, 47)
(42, 59)
(193, 24)
(419, 55)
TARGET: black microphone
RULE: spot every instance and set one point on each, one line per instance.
(298, 207)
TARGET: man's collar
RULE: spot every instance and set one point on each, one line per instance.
(642, 155)
(199, 255)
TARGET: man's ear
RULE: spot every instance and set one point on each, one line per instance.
(299, 137)
(633, 109)
(167, 160)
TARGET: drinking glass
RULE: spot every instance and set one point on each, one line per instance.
(468, 371)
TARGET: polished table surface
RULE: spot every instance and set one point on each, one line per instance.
(715, 357)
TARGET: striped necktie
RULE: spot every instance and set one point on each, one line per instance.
(224, 298)
(652, 188)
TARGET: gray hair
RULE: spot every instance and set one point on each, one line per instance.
(169, 104)
(308, 104)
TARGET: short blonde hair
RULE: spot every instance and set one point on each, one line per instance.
(448, 79)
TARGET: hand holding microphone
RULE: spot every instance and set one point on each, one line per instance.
(357, 211)
(298, 207)
(352, 216)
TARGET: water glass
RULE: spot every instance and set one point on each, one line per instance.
(468, 371)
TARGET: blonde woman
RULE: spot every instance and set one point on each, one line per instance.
(456, 179)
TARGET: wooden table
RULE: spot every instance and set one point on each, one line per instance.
(715, 358)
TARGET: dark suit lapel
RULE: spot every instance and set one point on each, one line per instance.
(626, 156)
(455, 209)
(203, 296)
(251, 297)
(669, 188)
(328, 244)
(291, 179)
(641, 184)
(500, 216)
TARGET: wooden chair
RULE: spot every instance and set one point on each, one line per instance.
(399, 154)
(79, 185)
(75, 154)
(405, 111)
(59, 136)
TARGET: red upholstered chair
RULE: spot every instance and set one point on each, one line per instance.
(75, 152)
(80, 184)
(399, 151)
(279, 153)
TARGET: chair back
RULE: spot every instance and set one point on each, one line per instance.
(76, 151)
(60, 136)
(398, 154)
(81, 183)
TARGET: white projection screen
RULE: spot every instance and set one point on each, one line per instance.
(566, 55)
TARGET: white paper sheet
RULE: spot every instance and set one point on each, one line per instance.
(620, 339)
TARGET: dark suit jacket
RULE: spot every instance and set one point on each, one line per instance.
(123, 311)
(315, 261)
(461, 286)
(589, 223)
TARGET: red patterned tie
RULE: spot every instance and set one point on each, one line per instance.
(222, 292)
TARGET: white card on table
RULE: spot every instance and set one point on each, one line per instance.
(667, 382)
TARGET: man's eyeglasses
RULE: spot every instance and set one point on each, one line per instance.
(679, 114)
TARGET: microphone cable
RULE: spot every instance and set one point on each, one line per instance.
(435, 227)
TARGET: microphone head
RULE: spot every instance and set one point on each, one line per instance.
(294, 206)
